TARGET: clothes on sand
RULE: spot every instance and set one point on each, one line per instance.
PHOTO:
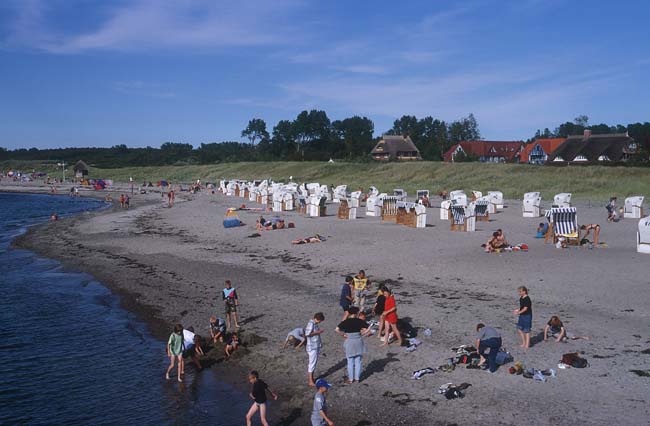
(175, 344)
(320, 404)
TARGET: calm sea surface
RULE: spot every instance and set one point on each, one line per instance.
(70, 355)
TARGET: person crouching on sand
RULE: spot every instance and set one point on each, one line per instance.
(295, 338)
(175, 351)
(217, 329)
(231, 345)
(525, 313)
(258, 395)
(555, 329)
(488, 338)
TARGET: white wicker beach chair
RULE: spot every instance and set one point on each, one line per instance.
(476, 195)
(496, 198)
(278, 198)
(481, 209)
(340, 192)
(458, 197)
(421, 216)
(444, 209)
(400, 194)
(633, 208)
(532, 205)
(374, 204)
(562, 200)
(643, 236)
(462, 218)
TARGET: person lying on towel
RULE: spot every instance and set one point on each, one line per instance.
(315, 239)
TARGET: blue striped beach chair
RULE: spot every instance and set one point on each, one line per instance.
(461, 218)
(481, 210)
(564, 222)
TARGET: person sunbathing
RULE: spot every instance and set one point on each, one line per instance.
(315, 239)
(494, 243)
(502, 238)
(591, 227)
(555, 329)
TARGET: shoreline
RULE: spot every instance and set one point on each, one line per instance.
(441, 279)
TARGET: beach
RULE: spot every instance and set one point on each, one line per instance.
(169, 264)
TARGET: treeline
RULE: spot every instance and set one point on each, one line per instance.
(311, 136)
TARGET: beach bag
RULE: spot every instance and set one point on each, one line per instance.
(231, 222)
(503, 358)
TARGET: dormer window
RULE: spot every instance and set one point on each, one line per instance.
(580, 158)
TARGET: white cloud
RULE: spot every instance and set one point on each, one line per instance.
(156, 24)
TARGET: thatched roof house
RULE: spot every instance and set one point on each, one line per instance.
(395, 147)
(588, 148)
(81, 169)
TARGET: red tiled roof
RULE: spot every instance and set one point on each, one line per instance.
(507, 149)
(548, 145)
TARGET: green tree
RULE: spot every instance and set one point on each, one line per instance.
(255, 131)
(356, 134)
(283, 141)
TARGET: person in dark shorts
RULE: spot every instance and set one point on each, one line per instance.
(378, 309)
(488, 338)
(346, 296)
(258, 395)
(231, 301)
(525, 312)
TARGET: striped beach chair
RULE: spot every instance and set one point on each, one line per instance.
(389, 208)
(482, 210)
(462, 218)
(565, 224)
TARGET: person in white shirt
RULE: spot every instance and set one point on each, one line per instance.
(312, 335)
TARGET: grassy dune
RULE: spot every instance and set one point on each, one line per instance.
(586, 183)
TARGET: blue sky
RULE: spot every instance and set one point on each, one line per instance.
(142, 72)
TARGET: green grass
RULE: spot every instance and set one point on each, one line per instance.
(585, 182)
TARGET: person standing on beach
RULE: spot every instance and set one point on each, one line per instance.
(175, 351)
(389, 316)
(360, 287)
(258, 395)
(319, 415)
(231, 301)
(353, 329)
(312, 334)
(525, 313)
(378, 310)
(346, 296)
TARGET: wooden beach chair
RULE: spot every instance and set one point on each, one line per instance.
(633, 208)
(476, 195)
(444, 209)
(565, 224)
(462, 218)
(344, 209)
(389, 208)
(400, 194)
(420, 216)
(643, 236)
(532, 205)
(288, 201)
(340, 192)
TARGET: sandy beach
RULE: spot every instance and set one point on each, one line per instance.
(169, 265)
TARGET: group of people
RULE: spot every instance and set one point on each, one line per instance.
(489, 340)
(496, 242)
(125, 201)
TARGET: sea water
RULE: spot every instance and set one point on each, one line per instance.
(70, 355)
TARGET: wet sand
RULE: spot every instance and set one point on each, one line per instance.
(169, 265)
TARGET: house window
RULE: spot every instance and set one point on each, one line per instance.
(558, 159)
(603, 158)
(580, 158)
